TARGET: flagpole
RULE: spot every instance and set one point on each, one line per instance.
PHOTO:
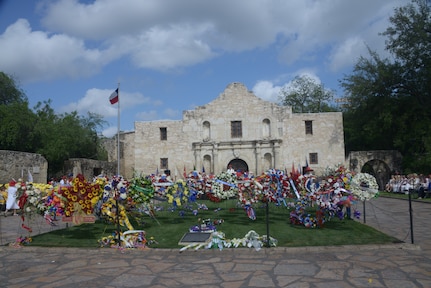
(118, 166)
(118, 132)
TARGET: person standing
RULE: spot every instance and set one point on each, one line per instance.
(11, 203)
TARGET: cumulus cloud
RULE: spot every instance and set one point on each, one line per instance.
(267, 90)
(37, 55)
(82, 38)
(96, 101)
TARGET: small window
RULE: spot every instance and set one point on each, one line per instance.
(163, 133)
(236, 129)
(314, 158)
(309, 127)
(164, 163)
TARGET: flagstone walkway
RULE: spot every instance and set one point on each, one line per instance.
(393, 265)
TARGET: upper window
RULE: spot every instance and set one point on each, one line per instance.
(308, 127)
(163, 133)
(236, 129)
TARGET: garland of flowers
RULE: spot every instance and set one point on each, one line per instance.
(224, 186)
(364, 186)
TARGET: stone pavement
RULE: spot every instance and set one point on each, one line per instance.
(392, 265)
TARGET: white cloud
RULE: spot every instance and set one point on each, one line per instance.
(97, 101)
(81, 39)
(267, 91)
(36, 55)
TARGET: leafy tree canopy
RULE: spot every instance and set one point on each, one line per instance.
(306, 95)
(57, 137)
(9, 91)
(389, 99)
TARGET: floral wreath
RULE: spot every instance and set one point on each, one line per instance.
(276, 186)
(224, 186)
(197, 182)
(141, 190)
(82, 192)
(109, 210)
(249, 192)
(364, 186)
(178, 193)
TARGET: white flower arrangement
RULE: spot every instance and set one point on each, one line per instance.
(364, 186)
(224, 186)
(34, 199)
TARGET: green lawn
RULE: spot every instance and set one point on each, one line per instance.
(169, 227)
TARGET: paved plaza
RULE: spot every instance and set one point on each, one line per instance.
(404, 264)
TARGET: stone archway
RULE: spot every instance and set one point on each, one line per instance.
(238, 165)
(380, 170)
(379, 163)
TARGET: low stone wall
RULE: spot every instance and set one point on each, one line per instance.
(15, 164)
(89, 168)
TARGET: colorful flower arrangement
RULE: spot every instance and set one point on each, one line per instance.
(179, 194)
(198, 183)
(82, 192)
(30, 199)
(109, 212)
(249, 192)
(140, 190)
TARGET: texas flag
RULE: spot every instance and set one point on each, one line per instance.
(114, 97)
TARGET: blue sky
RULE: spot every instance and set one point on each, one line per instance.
(170, 56)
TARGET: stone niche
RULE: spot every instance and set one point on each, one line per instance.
(16, 165)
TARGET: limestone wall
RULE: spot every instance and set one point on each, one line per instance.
(272, 137)
(15, 164)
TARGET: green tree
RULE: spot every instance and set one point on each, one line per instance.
(65, 136)
(306, 95)
(9, 91)
(389, 100)
(15, 117)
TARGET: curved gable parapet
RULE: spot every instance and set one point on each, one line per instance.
(236, 98)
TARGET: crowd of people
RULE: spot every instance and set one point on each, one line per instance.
(405, 183)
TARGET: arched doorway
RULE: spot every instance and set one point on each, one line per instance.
(380, 170)
(238, 165)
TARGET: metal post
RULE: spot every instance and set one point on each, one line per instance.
(267, 222)
(365, 221)
(411, 215)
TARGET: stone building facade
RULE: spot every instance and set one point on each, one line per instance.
(238, 129)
